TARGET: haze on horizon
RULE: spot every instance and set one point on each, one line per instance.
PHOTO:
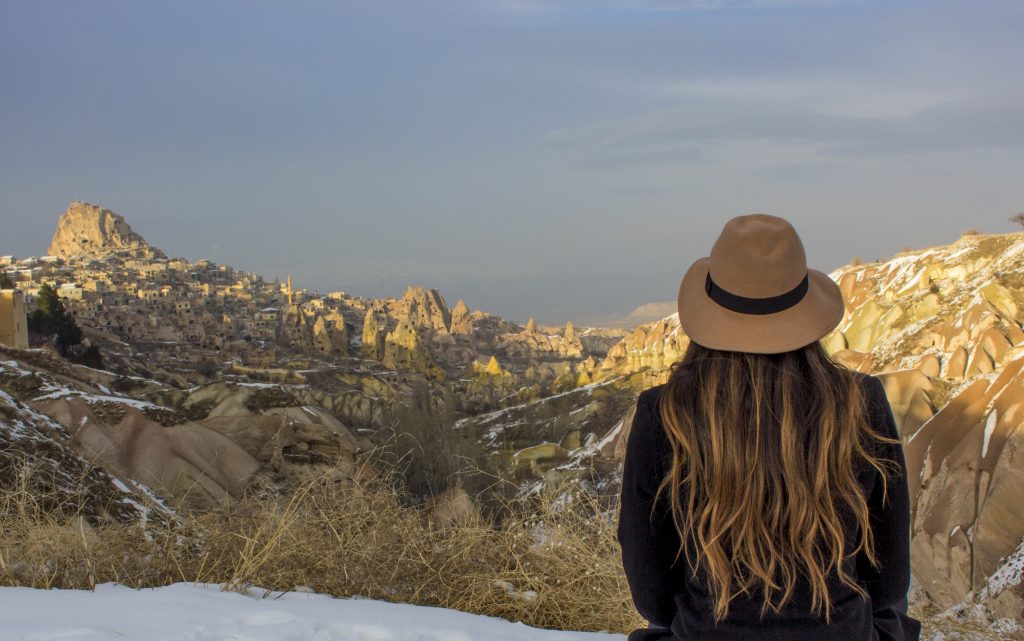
(565, 160)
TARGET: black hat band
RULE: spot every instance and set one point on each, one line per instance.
(747, 305)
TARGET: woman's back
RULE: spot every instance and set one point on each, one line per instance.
(669, 596)
(764, 491)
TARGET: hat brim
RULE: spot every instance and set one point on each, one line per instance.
(703, 320)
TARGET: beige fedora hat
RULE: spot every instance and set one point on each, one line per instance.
(755, 293)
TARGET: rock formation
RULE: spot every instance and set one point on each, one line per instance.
(295, 328)
(531, 343)
(494, 368)
(39, 453)
(330, 337)
(403, 350)
(208, 444)
(967, 521)
(373, 334)
(462, 323)
(649, 348)
(93, 231)
(427, 309)
(188, 462)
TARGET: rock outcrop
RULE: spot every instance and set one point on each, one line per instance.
(330, 337)
(427, 309)
(532, 343)
(403, 350)
(207, 444)
(967, 519)
(38, 453)
(462, 323)
(188, 462)
(88, 230)
(374, 331)
(649, 348)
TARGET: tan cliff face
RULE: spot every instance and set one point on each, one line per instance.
(941, 327)
(94, 231)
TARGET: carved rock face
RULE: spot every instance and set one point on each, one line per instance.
(95, 231)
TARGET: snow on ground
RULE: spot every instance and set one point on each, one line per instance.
(187, 612)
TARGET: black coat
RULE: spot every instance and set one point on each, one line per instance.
(678, 607)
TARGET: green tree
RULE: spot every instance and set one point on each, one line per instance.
(5, 281)
(92, 357)
(51, 318)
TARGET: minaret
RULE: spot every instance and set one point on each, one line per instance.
(289, 290)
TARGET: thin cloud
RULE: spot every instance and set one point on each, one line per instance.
(702, 124)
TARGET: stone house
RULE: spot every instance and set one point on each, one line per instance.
(13, 319)
(71, 291)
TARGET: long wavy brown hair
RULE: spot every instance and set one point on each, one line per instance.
(766, 449)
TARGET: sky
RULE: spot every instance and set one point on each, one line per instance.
(556, 159)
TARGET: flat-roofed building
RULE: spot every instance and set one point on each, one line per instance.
(70, 290)
(13, 319)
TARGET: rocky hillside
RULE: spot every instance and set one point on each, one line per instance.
(177, 338)
(91, 231)
(41, 456)
(107, 435)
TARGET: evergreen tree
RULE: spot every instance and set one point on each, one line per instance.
(92, 357)
(68, 334)
(51, 318)
(5, 281)
(41, 320)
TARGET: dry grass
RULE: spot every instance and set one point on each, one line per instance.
(547, 567)
(553, 561)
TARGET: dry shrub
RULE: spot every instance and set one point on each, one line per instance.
(553, 561)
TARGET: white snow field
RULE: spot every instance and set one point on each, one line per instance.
(188, 612)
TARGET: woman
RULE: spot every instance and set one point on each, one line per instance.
(764, 492)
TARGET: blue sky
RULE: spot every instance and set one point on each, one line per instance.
(556, 159)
